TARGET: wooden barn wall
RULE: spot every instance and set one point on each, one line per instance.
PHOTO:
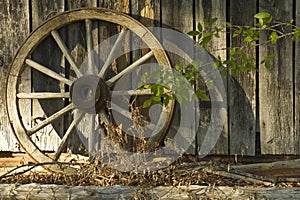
(262, 106)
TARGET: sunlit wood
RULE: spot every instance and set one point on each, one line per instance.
(130, 68)
(132, 92)
(43, 95)
(89, 45)
(111, 56)
(67, 135)
(50, 119)
(47, 71)
(66, 52)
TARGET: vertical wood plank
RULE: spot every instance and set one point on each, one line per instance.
(148, 13)
(14, 28)
(48, 137)
(242, 88)
(297, 81)
(178, 15)
(122, 6)
(77, 43)
(276, 88)
(208, 9)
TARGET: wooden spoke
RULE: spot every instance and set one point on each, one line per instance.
(67, 135)
(104, 117)
(47, 71)
(89, 45)
(43, 95)
(66, 52)
(16, 76)
(50, 119)
(91, 138)
(130, 68)
(132, 92)
(110, 57)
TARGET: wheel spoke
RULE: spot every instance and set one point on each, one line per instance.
(67, 136)
(47, 71)
(89, 45)
(104, 117)
(91, 136)
(50, 119)
(66, 52)
(132, 92)
(43, 95)
(110, 57)
(130, 68)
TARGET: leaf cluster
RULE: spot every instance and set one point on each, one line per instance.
(239, 60)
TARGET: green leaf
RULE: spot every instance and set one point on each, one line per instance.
(147, 103)
(228, 24)
(199, 36)
(263, 18)
(267, 61)
(212, 21)
(200, 94)
(296, 34)
(233, 51)
(206, 22)
(156, 99)
(200, 28)
(193, 33)
(238, 32)
(273, 37)
(262, 15)
(248, 39)
(205, 40)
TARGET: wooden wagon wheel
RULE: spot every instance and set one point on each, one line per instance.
(24, 60)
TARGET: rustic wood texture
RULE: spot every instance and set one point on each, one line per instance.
(76, 41)
(40, 36)
(148, 13)
(297, 80)
(208, 9)
(37, 191)
(178, 15)
(14, 28)
(242, 88)
(278, 101)
(48, 137)
(276, 88)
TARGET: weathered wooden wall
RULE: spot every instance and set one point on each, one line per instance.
(262, 106)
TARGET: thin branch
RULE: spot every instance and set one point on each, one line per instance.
(32, 166)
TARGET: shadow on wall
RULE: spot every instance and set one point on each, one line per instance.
(236, 136)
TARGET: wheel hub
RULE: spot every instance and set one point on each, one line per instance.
(89, 93)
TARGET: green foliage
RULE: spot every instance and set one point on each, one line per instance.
(264, 18)
(172, 85)
(238, 60)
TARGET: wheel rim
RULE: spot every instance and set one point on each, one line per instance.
(50, 29)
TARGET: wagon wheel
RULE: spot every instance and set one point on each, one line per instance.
(96, 84)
